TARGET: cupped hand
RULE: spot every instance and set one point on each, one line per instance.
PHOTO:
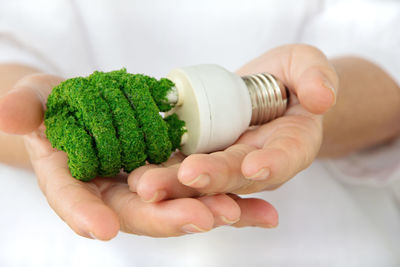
(102, 207)
(264, 157)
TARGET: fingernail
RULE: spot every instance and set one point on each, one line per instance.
(192, 229)
(227, 221)
(92, 236)
(260, 175)
(200, 181)
(333, 90)
(158, 195)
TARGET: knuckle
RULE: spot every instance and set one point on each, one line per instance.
(306, 48)
(40, 83)
(39, 79)
(194, 158)
(326, 69)
(150, 172)
(293, 146)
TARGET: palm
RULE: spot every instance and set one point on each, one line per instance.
(107, 204)
(292, 142)
(104, 206)
(264, 157)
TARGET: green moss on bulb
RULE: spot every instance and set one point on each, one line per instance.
(176, 128)
(110, 121)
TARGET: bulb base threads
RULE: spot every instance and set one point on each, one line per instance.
(269, 97)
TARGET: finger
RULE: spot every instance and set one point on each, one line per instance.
(175, 158)
(256, 212)
(167, 218)
(217, 172)
(77, 203)
(135, 176)
(161, 183)
(22, 109)
(224, 209)
(303, 69)
(285, 147)
(285, 150)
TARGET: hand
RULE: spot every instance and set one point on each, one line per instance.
(102, 207)
(264, 157)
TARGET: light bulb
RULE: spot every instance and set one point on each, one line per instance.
(218, 106)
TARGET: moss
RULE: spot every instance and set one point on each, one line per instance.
(176, 128)
(94, 113)
(131, 141)
(158, 145)
(112, 120)
(66, 135)
(160, 91)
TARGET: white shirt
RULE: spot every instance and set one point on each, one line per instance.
(324, 220)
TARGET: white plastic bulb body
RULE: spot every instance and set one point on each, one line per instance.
(218, 105)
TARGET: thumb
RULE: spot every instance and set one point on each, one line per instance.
(313, 79)
(305, 70)
(22, 109)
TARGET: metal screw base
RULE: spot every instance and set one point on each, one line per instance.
(269, 97)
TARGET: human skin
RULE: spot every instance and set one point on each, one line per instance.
(104, 206)
(266, 157)
(284, 146)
